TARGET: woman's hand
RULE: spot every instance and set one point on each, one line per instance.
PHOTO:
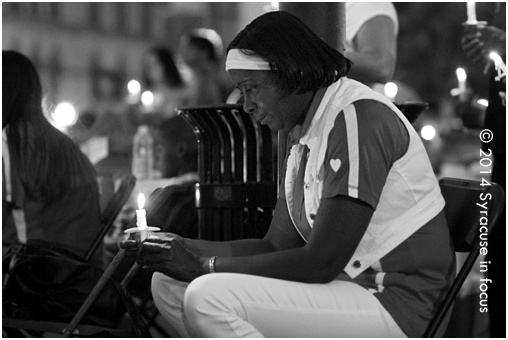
(164, 253)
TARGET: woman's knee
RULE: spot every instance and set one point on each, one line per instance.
(203, 291)
(167, 290)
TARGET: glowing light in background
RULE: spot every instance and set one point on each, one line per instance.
(428, 132)
(483, 102)
(461, 78)
(500, 65)
(64, 115)
(461, 74)
(273, 6)
(147, 98)
(391, 90)
(133, 87)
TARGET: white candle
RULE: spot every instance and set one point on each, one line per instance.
(134, 89)
(461, 77)
(471, 12)
(141, 217)
(147, 99)
(500, 65)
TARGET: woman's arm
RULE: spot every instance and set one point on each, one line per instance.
(281, 235)
(185, 259)
(340, 224)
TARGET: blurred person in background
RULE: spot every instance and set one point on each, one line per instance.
(201, 50)
(173, 207)
(161, 76)
(371, 42)
(115, 120)
(49, 188)
(478, 44)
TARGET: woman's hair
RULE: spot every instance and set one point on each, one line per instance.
(171, 72)
(299, 59)
(49, 162)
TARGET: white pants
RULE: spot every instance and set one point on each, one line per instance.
(225, 305)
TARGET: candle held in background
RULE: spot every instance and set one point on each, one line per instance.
(461, 77)
(141, 218)
(471, 12)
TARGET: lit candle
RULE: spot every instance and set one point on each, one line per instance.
(147, 99)
(141, 226)
(461, 77)
(134, 89)
(141, 218)
(500, 65)
(471, 12)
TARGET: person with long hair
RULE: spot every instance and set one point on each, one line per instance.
(358, 245)
(161, 76)
(201, 50)
(49, 187)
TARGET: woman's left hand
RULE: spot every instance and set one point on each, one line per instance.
(168, 256)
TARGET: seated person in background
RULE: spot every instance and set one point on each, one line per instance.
(358, 245)
(371, 42)
(201, 50)
(49, 188)
(173, 208)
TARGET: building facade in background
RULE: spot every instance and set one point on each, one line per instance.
(73, 44)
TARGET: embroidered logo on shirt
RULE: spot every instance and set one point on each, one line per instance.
(335, 164)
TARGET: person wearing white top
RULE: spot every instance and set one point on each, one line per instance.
(371, 42)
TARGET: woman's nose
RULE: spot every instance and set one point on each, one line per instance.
(249, 106)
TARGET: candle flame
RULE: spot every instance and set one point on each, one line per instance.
(461, 74)
(141, 201)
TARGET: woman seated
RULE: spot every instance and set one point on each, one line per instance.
(358, 245)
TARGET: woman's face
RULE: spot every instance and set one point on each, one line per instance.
(265, 102)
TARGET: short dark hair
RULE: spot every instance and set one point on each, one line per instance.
(300, 60)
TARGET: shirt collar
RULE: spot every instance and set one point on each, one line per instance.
(298, 131)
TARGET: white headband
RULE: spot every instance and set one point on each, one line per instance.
(237, 60)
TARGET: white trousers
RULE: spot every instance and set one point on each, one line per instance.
(225, 305)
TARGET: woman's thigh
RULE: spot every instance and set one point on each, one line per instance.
(236, 305)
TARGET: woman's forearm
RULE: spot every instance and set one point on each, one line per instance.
(291, 264)
(246, 247)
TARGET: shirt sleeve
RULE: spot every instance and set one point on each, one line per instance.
(366, 140)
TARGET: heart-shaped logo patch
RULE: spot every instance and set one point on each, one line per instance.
(335, 164)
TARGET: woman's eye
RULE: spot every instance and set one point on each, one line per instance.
(251, 89)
